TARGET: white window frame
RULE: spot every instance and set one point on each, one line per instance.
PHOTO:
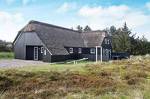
(79, 50)
(45, 52)
(71, 50)
(106, 52)
(106, 41)
(109, 53)
(92, 50)
(42, 49)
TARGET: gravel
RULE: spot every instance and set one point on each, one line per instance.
(19, 63)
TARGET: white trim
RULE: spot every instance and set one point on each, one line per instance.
(101, 54)
(36, 58)
(42, 49)
(80, 50)
(96, 53)
(105, 40)
(92, 50)
(44, 45)
(17, 38)
(47, 49)
(108, 41)
(71, 50)
(45, 52)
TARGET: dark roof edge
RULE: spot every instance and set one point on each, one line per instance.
(50, 25)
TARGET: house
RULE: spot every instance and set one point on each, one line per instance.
(50, 43)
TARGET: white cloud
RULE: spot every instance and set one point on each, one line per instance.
(9, 1)
(65, 7)
(100, 11)
(148, 5)
(102, 17)
(24, 2)
(10, 24)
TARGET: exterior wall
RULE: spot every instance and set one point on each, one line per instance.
(46, 56)
(19, 47)
(75, 49)
(89, 56)
(60, 58)
(85, 54)
(25, 39)
(31, 39)
(107, 49)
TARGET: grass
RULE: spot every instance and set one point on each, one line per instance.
(6, 55)
(125, 79)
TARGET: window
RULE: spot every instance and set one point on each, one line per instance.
(106, 52)
(92, 50)
(108, 42)
(79, 50)
(70, 50)
(105, 41)
(44, 52)
(42, 49)
(110, 54)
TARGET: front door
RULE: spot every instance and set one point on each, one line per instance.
(35, 53)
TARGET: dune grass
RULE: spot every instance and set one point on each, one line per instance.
(54, 67)
(124, 79)
(6, 55)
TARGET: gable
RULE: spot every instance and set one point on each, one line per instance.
(93, 38)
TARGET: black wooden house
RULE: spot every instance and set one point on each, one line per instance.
(50, 43)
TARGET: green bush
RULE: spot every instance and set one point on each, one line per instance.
(6, 55)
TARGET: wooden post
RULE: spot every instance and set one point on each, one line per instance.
(101, 54)
(96, 54)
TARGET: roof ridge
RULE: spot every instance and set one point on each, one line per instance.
(94, 31)
(50, 25)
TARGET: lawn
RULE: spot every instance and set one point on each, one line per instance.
(122, 79)
(6, 55)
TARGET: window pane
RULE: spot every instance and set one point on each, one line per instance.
(92, 50)
(79, 50)
(70, 50)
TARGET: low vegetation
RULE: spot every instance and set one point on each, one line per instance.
(125, 79)
(6, 55)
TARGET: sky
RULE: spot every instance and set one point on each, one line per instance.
(98, 14)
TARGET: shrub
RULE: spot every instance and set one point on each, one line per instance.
(6, 55)
(5, 83)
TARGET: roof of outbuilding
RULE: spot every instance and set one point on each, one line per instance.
(56, 38)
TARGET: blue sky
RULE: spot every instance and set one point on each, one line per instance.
(98, 14)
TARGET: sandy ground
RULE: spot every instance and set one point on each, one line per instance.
(19, 63)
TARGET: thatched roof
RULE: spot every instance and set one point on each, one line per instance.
(93, 38)
(56, 38)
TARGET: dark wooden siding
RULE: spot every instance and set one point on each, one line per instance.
(59, 58)
(47, 57)
(30, 53)
(25, 39)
